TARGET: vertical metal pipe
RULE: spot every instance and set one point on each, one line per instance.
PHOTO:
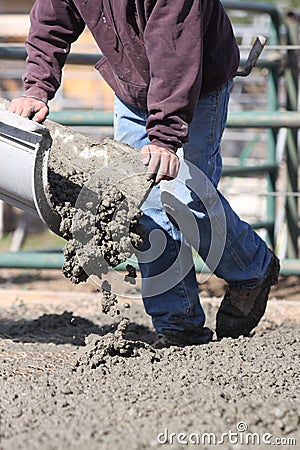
(272, 105)
(292, 156)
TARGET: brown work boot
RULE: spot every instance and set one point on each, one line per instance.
(242, 309)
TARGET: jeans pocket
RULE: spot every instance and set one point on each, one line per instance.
(214, 113)
(219, 111)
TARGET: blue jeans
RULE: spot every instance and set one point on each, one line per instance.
(189, 212)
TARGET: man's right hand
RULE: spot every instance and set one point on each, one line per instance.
(29, 107)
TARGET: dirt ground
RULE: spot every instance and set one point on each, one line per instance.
(67, 382)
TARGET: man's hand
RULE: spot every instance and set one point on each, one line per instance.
(162, 164)
(29, 107)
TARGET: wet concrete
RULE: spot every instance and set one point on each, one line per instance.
(95, 189)
(74, 382)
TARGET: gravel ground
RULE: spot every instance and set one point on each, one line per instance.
(69, 381)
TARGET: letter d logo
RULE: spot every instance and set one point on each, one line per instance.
(162, 438)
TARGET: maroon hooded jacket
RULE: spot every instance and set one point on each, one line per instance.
(159, 55)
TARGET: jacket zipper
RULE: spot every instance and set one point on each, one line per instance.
(102, 11)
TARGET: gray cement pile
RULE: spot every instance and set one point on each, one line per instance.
(121, 394)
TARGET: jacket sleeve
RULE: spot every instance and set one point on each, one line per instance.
(55, 24)
(173, 40)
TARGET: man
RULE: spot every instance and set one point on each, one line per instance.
(170, 63)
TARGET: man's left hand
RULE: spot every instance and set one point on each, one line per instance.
(162, 164)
